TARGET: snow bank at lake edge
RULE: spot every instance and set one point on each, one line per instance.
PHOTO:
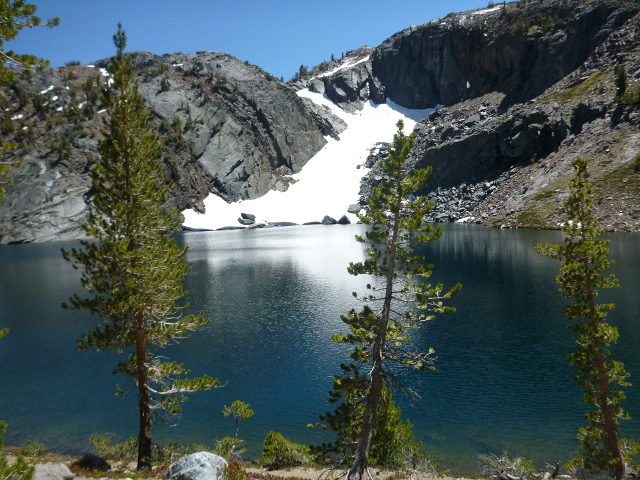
(328, 183)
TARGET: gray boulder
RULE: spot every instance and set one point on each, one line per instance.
(327, 220)
(354, 208)
(198, 466)
(52, 471)
(344, 220)
(247, 219)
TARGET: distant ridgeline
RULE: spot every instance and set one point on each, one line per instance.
(526, 86)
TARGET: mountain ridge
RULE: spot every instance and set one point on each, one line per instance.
(528, 86)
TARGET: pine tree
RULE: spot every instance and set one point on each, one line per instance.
(584, 257)
(133, 268)
(16, 15)
(392, 442)
(396, 227)
(19, 469)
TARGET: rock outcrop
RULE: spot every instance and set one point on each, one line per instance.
(502, 156)
(226, 127)
(519, 49)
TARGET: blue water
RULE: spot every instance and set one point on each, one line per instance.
(275, 296)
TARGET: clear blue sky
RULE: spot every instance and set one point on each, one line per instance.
(277, 35)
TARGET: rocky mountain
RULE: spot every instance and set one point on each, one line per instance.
(526, 86)
(226, 127)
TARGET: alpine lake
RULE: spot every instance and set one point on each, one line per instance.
(275, 297)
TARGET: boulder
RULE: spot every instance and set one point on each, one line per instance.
(327, 220)
(344, 220)
(52, 471)
(198, 466)
(89, 461)
(247, 219)
(354, 208)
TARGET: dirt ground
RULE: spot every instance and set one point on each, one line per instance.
(325, 474)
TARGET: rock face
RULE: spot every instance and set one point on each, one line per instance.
(349, 82)
(198, 466)
(501, 155)
(226, 128)
(519, 50)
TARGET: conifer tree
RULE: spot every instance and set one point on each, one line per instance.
(16, 15)
(133, 268)
(19, 469)
(395, 218)
(392, 442)
(584, 257)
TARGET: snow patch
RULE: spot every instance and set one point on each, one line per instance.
(487, 10)
(329, 182)
(46, 90)
(17, 117)
(347, 64)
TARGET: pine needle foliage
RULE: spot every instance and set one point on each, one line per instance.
(19, 469)
(132, 267)
(393, 441)
(402, 299)
(16, 15)
(584, 257)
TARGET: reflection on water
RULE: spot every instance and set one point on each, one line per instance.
(275, 297)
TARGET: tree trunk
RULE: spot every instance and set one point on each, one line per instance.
(360, 459)
(145, 437)
(611, 440)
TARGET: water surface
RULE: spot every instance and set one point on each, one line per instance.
(275, 297)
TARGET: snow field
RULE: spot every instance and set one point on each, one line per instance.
(328, 183)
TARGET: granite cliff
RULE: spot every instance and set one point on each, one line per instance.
(226, 127)
(526, 86)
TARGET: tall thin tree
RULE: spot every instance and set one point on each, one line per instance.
(133, 268)
(584, 257)
(395, 217)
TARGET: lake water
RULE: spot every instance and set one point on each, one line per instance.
(275, 297)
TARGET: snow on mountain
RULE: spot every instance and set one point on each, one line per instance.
(328, 183)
